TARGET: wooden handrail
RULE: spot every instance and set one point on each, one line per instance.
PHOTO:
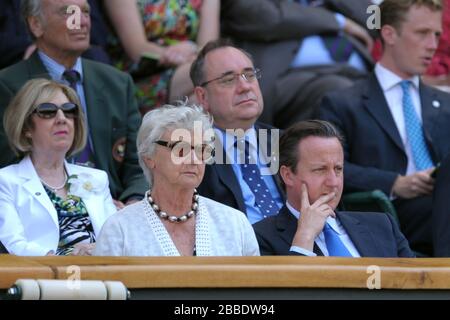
(234, 272)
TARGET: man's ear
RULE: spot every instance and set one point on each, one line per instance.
(287, 175)
(202, 97)
(389, 34)
(36, 26)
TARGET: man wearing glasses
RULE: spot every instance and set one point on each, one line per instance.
(243, 175)
(106, 95)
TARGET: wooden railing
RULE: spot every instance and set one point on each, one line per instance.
(235, 272)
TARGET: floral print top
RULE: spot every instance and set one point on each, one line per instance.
(74, 223)
(166, 22)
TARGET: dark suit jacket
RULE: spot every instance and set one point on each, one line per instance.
(374, 152)
(373, 234)
(112, 115)
(221, 184)
(441, 211)
(272, 30)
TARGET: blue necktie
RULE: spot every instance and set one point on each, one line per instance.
(414, 131)
(85, 157)
(252, 176)
(335, 246)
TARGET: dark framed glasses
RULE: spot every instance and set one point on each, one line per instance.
(48, 110)
(229, 79)
(181, 149)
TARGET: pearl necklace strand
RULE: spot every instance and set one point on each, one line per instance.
(175, 219)
(54, 189)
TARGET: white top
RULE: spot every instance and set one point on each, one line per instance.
(336, 225)
(390, 84)
(29, 223)
(136, 230)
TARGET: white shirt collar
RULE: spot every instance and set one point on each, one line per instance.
(389, 79)
(227, 138)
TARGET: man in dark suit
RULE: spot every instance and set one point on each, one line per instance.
(292, 42)
(107, 95)
(312, 170)
(226, 84)
(441, 209)
(395, 127)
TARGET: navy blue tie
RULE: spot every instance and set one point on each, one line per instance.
(414, 131)
(335, 246)
(252, 176)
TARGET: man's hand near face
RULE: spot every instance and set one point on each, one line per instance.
(312, 219)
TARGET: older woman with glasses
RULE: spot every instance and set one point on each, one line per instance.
(48, 206)
(174, 143)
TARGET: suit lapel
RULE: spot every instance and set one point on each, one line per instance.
(35, 189)
(36, 68)
(96, 108)
(360, 235)
(429, 116)
(376, 105)
(286, 225)
(227, 176)
(93, 204)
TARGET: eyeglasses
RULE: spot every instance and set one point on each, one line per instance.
(48, 110)
(181, 149)
(229, 79)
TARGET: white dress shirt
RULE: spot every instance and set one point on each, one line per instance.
(320, 240)
(390, 84)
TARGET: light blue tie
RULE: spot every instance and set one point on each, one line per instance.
(334, 244)
(414, 131)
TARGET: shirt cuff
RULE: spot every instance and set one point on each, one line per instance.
(303, 251)
(340, 18)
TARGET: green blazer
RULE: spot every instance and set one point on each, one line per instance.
(112, 114)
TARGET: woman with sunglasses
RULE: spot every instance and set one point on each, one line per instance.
(174, 144)
(48, 206)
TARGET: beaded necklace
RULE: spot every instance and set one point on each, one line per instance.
(163, 215)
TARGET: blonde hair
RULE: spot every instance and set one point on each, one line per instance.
(17, 118)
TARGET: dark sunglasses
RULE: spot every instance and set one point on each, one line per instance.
(48, 110)
(181, 149)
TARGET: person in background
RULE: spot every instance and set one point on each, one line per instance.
(312, 170)
(304, 48)
(395, 126)
(174, 143)
(16, 43)
(244, 174)
(49, 206)
(106, 94)
(157, 41)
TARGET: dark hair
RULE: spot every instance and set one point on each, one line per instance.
(197, 68)
(290, 140)
(393, 12)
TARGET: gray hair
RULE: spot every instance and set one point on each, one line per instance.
(31, 8)
(168, 117)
